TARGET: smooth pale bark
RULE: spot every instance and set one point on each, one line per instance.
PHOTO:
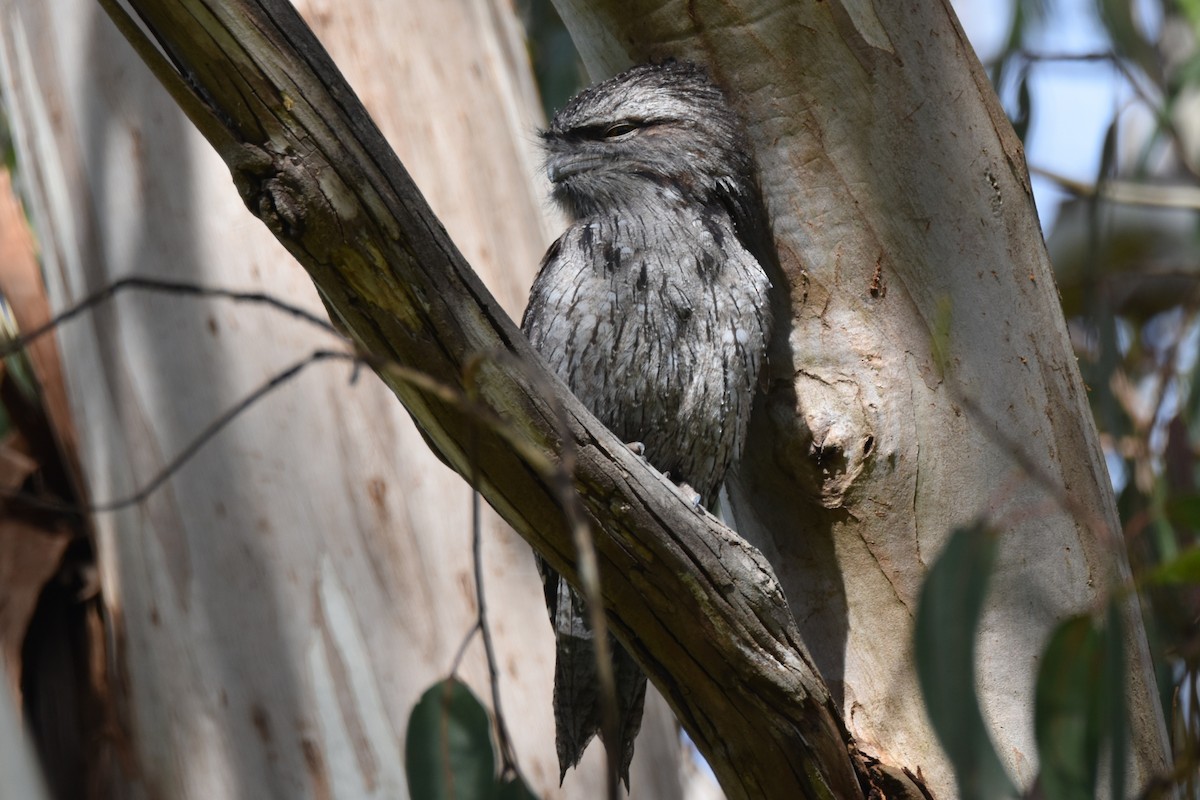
(18, 763)
(279, 605)
(901, 204)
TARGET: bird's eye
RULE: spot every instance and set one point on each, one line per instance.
(618, 129)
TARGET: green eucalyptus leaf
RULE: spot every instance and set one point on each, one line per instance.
(1127, 36)
(947, 620)
(940, 336)
(1184, 509)
(1080, 707)
(1191, 10)
(448, 754)
(1066, 712)
(1184, 568)
(515, 789)
(1020, 123)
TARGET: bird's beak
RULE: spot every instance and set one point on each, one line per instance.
(560, 169)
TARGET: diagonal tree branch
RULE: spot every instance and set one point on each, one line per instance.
(699, 608)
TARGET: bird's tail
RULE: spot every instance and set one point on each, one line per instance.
(577, 696)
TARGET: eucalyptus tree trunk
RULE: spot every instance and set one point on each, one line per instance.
(926, 379)
(276, 608)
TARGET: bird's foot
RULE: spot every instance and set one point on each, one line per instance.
(692, 497)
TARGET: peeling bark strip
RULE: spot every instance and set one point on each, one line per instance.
(309, 161)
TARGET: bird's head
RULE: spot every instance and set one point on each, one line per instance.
(655, 126)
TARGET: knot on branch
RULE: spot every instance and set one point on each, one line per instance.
(832, 437)
(276, 188)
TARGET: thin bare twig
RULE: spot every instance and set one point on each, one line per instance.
(151, 284)
(193, 447)
(1126, 192)
(462, 648)
(1036, 58)
(561, 479)
(182, 88)
(508, 758)
(1154, 105)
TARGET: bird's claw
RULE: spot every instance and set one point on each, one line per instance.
(692, 496)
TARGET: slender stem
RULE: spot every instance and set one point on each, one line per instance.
(183, 456)
(1126, 192)
(562, 482)
(462, 648)
(152, 284)
(182, 91)
(507, 757)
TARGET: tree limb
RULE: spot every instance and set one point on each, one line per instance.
(699, 608)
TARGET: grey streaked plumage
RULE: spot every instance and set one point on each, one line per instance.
(653, 308)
